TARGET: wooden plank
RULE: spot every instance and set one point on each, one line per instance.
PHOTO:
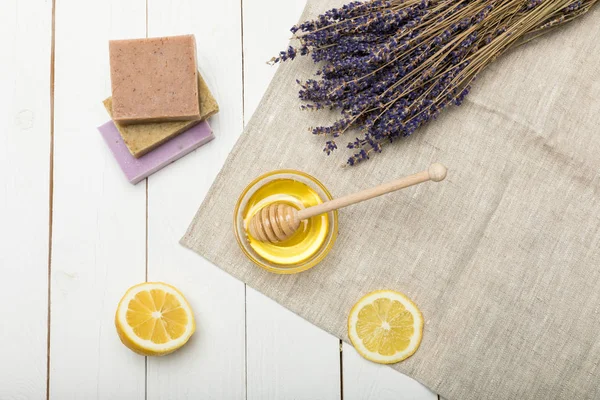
(25, 27)
(284, 352)
(364, 380)
(289, 347)
(99, 218)
(288, 358)
(212, 365)
(267, 26)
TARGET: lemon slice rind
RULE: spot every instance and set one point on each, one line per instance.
(144, 346)
(415, 339)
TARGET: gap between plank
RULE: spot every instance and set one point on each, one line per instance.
(243, 65)
(146, 251)
(146, 278)
(245, 286)
(146, 378)
(146, 239)
(342, 370)
(50, 198)
(245, 344)
(146, 18)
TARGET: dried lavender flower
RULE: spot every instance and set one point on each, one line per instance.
(391, 66)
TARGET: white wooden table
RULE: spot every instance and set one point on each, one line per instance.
(74, 235)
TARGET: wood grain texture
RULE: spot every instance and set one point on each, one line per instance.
(267, 26)
(364, 380)
(436, 173)
(99, 238)
(278, 221)
(212, 365)
(99, 218)
(266, 32)
(288, 358)
(25, 26)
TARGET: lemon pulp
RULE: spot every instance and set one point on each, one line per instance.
(310, 235)
(385, 327)
(154, 319)
(157, 316)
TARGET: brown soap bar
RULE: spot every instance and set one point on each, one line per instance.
(154, 80)
(142, 138)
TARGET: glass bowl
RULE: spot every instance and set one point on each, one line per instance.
(309, 245)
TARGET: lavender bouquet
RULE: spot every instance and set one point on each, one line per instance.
(391, 66)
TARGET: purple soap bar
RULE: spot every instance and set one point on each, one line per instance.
(136, 169)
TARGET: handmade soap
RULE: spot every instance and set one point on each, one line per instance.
(142, 138)
(136, 169)
(154, 79)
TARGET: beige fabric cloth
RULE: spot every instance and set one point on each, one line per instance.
(503, 257)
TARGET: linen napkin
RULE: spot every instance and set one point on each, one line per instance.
(503, 257)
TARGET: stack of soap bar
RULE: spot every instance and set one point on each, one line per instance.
(142, 138)
(154, 80)
(137, 169)
(159, 104)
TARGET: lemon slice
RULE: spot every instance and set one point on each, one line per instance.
(385, 327)
(154, 319)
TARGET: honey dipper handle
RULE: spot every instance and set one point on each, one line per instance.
(436, 172)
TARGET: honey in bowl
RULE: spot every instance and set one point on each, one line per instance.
(287, 198)
(310, 236)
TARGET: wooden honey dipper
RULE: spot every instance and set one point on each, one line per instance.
(278, 221)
